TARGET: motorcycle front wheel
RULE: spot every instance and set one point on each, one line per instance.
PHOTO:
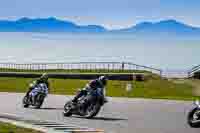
(25, 102)
(39, 100)
(68, 109)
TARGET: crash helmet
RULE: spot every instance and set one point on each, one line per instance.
(103, 80)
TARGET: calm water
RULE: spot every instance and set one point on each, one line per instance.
(173, 54)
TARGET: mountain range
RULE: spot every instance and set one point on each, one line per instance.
(169, 27)
(46, 25)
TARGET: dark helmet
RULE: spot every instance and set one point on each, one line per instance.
(44, 77)
(103, 80)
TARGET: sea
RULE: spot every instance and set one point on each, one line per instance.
(177, 54)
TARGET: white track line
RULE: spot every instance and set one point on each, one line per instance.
(42, 128)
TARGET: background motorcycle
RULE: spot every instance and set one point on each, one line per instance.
(87, 106)
(193, 117)
(42, 91)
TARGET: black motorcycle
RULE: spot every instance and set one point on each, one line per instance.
(193, 117)
(87, 106)
(38, 99)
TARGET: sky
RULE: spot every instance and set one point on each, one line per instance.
(113, 14)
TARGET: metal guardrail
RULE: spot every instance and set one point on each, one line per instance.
(90, 66)
(192, 71)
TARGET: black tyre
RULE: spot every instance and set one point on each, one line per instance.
(93, 110)
(38, 105)
(26, 105)
(25, 102)
(39, 100)
(191, 119)
(68, 109)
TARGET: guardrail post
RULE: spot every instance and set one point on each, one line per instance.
(160, 73)
(122, 66)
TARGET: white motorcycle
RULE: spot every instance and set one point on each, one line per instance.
(36, 96)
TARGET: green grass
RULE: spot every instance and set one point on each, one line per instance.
(9, 128)
(151, 88)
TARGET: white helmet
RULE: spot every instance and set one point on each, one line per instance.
(103, 80)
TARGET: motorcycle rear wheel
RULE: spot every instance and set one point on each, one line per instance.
(93, 110)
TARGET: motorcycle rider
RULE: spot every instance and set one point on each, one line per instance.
(42, 79)
(94, 84)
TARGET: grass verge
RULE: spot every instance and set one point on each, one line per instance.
(151, 88)
(9, 128)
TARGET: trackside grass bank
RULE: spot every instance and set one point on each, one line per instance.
(154, 87)
(9, 128)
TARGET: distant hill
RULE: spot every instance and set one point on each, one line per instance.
(46, 25)
(168, 27)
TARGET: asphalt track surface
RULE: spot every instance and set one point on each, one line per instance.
(120, 115)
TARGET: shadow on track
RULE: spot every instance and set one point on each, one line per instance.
(103, 118)
(51, 108)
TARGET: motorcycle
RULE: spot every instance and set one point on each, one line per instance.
(87, 106)
(40, 92)
(193, 117)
